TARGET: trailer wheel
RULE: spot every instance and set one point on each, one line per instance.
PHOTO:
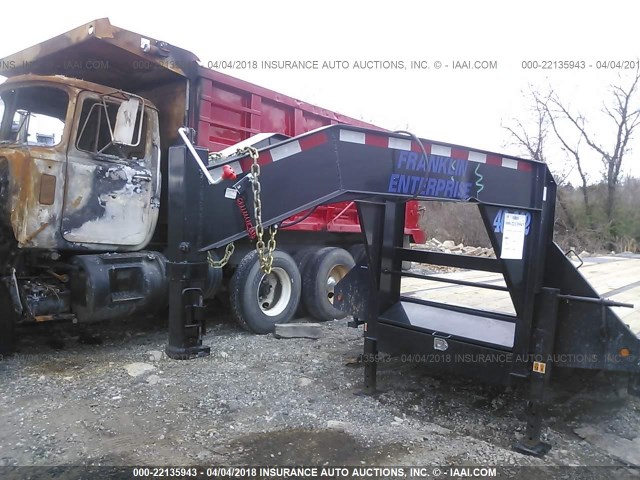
(259, 300)
(8, 319)
(325, 269)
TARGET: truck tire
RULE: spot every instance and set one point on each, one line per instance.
(302, 258)
(260, 301)
(8, 319)
(324, 270)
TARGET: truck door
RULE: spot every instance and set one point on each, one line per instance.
(111, 191)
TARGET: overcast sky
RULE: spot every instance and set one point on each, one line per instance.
(458, 106)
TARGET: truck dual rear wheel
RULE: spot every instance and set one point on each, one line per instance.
(302, 258)
(259, 300)
(321, 274)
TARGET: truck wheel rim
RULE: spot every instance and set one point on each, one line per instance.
(336, 274)
(274, 292)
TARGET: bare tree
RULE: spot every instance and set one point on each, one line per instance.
(625, 118)
(573, 151)
(533, 141)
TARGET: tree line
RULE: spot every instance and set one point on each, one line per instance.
(601, 212)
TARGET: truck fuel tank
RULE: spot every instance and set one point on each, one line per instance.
(111, 285)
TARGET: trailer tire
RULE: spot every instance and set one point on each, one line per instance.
(260, 301)
(8, 319)
(322, 273)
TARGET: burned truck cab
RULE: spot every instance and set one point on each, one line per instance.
(79, 176)
(80, 165)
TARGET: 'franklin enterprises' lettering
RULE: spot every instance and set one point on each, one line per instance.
(433, 176)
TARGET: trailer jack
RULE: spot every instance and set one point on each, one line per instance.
(186, 314)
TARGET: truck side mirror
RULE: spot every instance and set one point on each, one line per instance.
(126, 122)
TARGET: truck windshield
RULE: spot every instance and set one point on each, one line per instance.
(33, 115)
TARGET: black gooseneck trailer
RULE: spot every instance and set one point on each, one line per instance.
(560, 320)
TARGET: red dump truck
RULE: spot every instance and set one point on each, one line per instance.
(83, 215)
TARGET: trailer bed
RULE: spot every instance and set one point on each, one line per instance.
(617, 277)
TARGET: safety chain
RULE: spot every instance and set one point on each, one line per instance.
(213, 157)
(228, 251)
(265, 252)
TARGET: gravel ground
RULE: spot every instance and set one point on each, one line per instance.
(261, 400)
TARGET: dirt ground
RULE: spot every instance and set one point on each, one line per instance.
(258, 400)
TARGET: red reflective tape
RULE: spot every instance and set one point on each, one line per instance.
(245, 164)
(459, 153)
(313, 141)
(265, 158)
(415, 147)
(376, 141)
(495, 160)
(525, 166)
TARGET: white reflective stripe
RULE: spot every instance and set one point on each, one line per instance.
(477, 157)
(509, 163)
(399, 143)
(544, 194)
(441, 150)
(353, 137)
(285, 150)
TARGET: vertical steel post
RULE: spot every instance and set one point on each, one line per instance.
(185, 267)
(544, 333)
(371, 215)
(370, 360)
(383, 226)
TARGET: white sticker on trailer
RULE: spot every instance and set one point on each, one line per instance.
(513, 236)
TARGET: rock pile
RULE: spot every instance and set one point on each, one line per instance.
(448, 246)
